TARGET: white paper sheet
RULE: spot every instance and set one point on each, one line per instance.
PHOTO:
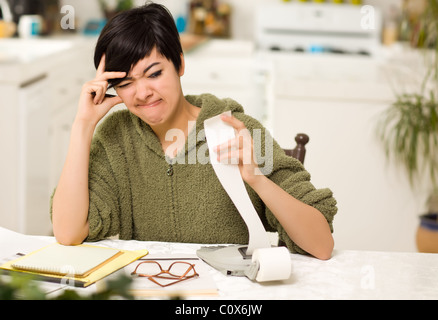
(218, 132)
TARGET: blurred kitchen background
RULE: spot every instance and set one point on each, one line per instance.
(325, 68)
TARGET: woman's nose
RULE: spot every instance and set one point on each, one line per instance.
(143, 90)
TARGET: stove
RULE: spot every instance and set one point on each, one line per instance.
(319, 28)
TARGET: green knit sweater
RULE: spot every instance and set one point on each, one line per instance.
(136, 193)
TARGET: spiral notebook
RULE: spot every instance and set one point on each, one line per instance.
(77, 261)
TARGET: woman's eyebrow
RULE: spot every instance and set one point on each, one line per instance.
(144, 71)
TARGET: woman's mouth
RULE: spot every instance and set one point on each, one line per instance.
(149, 104)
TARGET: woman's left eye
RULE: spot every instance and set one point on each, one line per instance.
(155, 74)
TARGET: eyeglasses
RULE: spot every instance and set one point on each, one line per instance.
(177, 271)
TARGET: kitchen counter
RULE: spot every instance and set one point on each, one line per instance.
(22, 60)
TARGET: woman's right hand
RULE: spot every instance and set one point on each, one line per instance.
(93, 105)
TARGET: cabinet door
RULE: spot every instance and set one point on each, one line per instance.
(8, 160)
(33, 159)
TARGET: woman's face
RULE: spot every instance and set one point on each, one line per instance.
(152, 89)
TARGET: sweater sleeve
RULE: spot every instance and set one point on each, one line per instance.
(291, 176)
(103, 214)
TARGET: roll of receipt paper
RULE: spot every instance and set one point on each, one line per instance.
(269, 264)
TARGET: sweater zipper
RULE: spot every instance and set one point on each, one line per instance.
(169, 171)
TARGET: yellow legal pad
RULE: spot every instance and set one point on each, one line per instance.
(79, 265)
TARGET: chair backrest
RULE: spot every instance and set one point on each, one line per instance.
(299, 152)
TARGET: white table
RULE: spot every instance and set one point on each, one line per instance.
(347, 275)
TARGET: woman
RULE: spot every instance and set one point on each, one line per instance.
(126, 181)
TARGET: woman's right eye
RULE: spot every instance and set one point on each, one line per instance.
(124, 85)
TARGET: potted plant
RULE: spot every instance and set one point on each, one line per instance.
(409, 127)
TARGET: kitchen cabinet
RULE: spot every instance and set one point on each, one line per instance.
(25, 161)
(38, 98)
(9, 148)
(337, 102)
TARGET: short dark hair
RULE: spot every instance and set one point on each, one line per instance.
(132, 35)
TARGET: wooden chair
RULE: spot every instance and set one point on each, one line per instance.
(299, 152)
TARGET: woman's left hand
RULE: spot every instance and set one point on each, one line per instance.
(240, 150)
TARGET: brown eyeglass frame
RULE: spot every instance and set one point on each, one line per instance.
(166, 274)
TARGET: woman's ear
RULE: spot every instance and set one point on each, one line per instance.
(182, 67)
